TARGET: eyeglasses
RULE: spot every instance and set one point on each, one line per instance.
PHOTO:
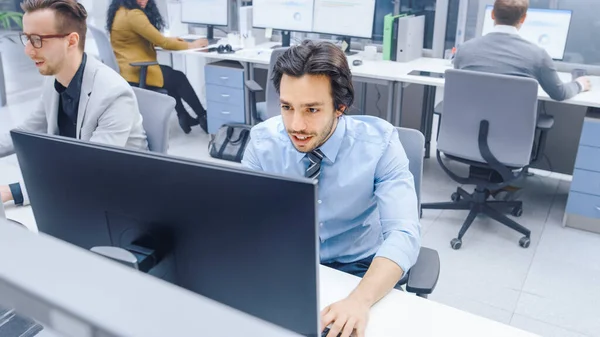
(36, 40)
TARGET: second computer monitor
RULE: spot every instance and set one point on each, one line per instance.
(350, 18)
(286, 15)
(547, 28)
(205, 12)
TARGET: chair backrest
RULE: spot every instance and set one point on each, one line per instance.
(107, 55)
(271, 94)
(413, 143)
(156, 110)
(508, 103)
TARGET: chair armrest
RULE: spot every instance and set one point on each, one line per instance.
(253, 86)
(424, 275)
(545, 122)
(143, 64)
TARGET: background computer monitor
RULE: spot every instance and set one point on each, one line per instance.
(547, 28)
(242, 238)
(348, 18)
(285, 15)
(205, 12)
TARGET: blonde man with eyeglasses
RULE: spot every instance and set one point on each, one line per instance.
(81, 98)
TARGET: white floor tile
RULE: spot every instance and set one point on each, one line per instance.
(578, 314)
(541, 328)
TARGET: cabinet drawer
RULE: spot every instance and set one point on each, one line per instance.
(584, 204)
(588, 158)
(219, 114)
(590, 135)
(586, 182)
(225, 76)
(226, 95)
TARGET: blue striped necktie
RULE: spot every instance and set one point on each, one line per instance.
(314, 167)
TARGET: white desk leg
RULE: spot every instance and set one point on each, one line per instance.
(390, 103)
(398, 101)
(363, 98)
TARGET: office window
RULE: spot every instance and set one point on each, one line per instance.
(382, 8)
(422, 7)
(583, 44)
(451, 24)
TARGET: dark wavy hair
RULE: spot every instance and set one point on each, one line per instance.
(151, 11)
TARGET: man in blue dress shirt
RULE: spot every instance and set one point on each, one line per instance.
(369, 224)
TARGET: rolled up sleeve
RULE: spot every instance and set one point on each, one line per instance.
(398, 206)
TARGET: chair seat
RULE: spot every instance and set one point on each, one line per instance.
(476, 163)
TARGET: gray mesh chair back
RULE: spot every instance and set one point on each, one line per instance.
(271, 106)
(271, 94)
(107, 56)
(413, 143)
(156, 109)
(509, 103)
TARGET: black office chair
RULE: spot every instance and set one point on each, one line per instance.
(489, 124)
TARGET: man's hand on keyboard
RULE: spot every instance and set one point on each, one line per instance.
(346, 316)
(5, 194)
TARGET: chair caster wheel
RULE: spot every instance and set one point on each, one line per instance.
(455, 197)
(517, 211)
(525, 242)
(456, 243)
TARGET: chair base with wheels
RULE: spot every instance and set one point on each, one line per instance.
(478, 203)
(487, 177)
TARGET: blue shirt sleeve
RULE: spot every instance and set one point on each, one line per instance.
(250, 160)
(398, 206)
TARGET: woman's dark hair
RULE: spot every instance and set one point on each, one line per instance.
(151, 11)
(318, 58)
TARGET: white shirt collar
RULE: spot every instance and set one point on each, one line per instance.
(505, 29)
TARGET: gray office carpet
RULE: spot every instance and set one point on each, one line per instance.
(13, 325)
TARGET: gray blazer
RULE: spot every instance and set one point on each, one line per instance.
(108, 112)
(510, 54)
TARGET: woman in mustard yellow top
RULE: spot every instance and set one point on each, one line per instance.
(134, 27)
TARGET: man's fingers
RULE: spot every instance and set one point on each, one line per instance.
(325, 310)
(360, 329)
(337, 326)
(327, 319)
(349, 327)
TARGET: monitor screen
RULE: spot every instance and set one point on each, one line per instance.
(352, 18)
(547, 28)
(205, 12)
(292, 15)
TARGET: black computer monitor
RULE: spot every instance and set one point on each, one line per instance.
(246, 239)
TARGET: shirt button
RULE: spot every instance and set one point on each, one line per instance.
(319, 201)
(321, 224)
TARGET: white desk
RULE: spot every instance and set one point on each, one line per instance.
(397, 314)
(374, 72)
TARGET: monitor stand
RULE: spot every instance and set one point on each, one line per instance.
(346, 40)
(210, 35)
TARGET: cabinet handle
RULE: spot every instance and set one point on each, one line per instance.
(225, 112)
(224, 78)
(224, 95)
